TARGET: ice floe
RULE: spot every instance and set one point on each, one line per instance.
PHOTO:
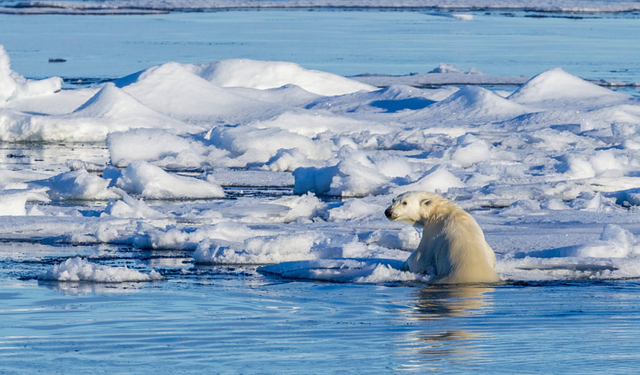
(254, 163)
(78, 269)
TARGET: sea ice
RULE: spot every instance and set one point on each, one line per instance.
(558, 150)
(78, 269)
(149, 181)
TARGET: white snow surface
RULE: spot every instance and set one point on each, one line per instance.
(150, 181)
(270, 75)
(78, 269)
(266, 163)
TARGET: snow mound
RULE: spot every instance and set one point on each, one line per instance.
(556, 84)
(271, 74)
(78, 269)
(112, 103)
(109, 110)
(174, 90)
(475, 103)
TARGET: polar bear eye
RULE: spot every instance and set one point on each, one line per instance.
(426, 202)
(404, 203)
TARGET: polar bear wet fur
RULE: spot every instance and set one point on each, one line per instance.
(452, 248)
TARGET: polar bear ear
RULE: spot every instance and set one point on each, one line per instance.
(425, 202)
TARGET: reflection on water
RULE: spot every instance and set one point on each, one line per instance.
(50, 157)
(443, 335)
(248, 324)
(79, 288)
(448, 301)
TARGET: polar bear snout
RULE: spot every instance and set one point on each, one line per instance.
(388, 213)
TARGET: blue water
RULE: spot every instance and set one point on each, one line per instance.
(212, 322)
(346, 43)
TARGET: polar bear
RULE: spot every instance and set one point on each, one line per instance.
(452, 248)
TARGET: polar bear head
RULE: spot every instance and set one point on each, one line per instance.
(418, 207)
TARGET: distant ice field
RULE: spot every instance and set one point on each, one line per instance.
(141, 6)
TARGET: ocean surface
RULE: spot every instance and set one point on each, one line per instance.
(237, 322)
(235, 319)
(512, 43)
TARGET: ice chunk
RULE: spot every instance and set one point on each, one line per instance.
(349, 178)
(344, 270)
(302, 207)
(172, 237)
(615, 242)
(78, 269)
(79, 185)
(253, 145)
(261, 250)
(12, 202)
(13, 85)
(147, 144)
(462, 16)
(149, 181)
(450, 68)
(437, 179)
(130, 207)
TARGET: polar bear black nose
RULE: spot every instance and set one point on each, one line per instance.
(388, 212)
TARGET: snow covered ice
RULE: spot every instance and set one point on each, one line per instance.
(78, 269)
(553, 150)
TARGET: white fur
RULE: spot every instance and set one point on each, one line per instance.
(452, 248)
